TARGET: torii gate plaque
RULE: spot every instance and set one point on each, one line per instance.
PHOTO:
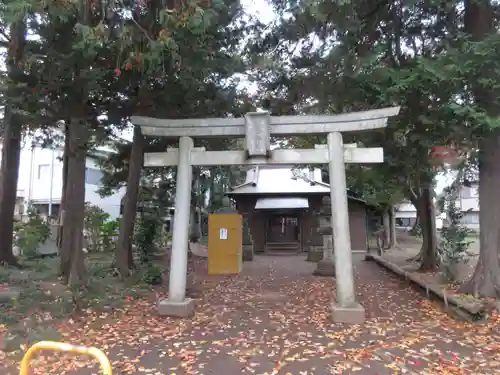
(257, 127)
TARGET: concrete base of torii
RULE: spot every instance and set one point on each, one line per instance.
(353, 314)
(183, 309)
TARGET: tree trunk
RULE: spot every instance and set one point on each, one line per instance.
(429, 234)
(394, 240)
(426, 218)
(72, 266)
(123, 255)
(130, 255)
(485, 282)
(386, 223)
(417, 222)
(64, 184)
(11, 151)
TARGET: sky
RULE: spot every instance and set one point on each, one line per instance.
(260, 9)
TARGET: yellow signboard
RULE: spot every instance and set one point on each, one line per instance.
(225, 249)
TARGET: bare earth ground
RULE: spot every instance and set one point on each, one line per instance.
(274, 319)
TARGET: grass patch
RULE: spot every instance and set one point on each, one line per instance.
(44, 301)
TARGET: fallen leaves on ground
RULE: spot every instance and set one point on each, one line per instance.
(274, 319)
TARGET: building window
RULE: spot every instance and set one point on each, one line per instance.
(470, 192)
(93, 176)
(43, 171)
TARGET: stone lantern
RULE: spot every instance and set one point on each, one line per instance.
(315, 253)
(326, 266)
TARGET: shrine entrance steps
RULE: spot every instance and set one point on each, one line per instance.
(282, 248)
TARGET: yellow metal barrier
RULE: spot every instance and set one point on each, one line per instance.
(68, 348)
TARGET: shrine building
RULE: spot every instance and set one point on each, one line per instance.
(281, 202)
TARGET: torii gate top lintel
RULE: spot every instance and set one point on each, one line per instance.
(278, 125)
(257, 128)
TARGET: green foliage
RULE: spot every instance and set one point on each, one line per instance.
(454, 242)
(145, 236)
(411, 54)
(152, 274)
(99, 230)
(109, 232)
(30, 234)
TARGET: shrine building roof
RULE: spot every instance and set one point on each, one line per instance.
(282, 180)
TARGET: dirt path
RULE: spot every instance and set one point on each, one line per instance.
(274, 319)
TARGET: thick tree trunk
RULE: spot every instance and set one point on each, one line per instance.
(485, 282)
(416, 223)
(64, 184)
(386, 222)
(426, 218)
(394, 240)
(72, 266)
(429, 234)
(123, 255)
(11, 151)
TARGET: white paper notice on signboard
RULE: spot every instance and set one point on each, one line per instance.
(223, 234)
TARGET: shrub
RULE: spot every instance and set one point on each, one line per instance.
(99, 230)
(109, 232)
(153, 274)
(145, 236)
(29, 235)
(454, 241)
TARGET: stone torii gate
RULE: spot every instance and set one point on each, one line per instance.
(257, 127)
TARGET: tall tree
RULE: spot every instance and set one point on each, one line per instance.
(208, 60)
(336, 57)
(123, 256)
(481, 26)
(12, 128)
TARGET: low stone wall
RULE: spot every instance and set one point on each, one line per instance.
(472, 309)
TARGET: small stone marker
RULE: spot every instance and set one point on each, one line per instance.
(315, 253)
(326, 266)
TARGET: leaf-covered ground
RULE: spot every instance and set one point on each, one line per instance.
(274, 319)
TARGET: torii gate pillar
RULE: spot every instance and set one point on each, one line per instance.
(345, 309)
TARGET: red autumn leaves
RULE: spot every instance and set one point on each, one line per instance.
(128, 66)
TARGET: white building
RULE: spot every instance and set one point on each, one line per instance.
(405, 214)
(468, 202)
(40, 181)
